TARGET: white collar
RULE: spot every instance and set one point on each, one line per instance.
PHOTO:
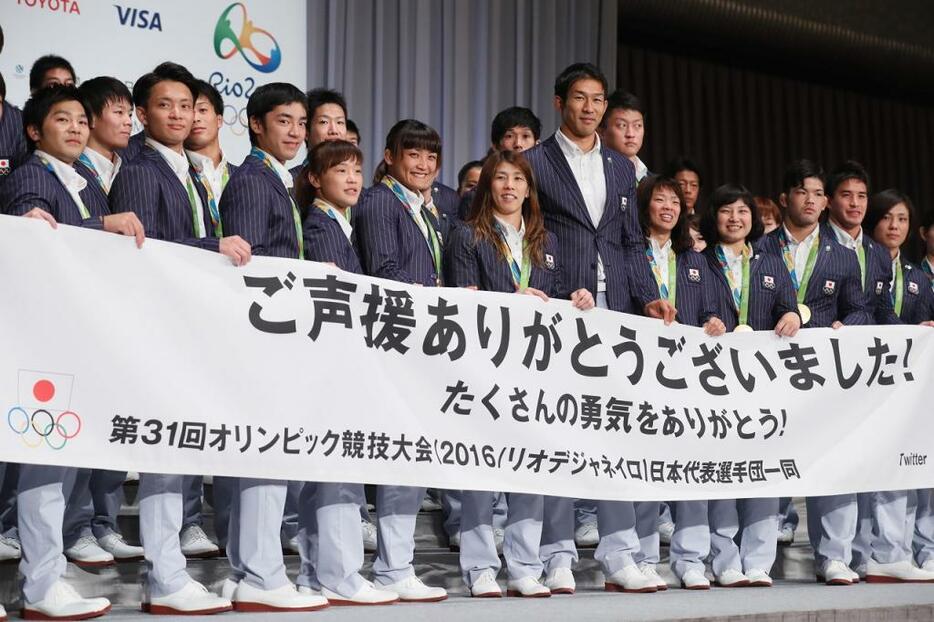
(510, 230)
(176, 161)
(67, 175)
(280, 169)
(205, 164)
(415, 200)
(641, 169)
(332, 212)
(846, 239)
(809, 239)
(570, 148)
(659, 251)
(104, 166)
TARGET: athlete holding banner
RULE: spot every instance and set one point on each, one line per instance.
(504, 247)
(684, 280)
(753, 292)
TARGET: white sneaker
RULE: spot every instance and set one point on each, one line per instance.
(527, 587)
(228, 589)
(587, 535)
(695, 580)
(708, 573)
(732, 578)
(286, 598)
(454, 542)
(412, 590)
(666, 530)
(858, 574)
(87, 553)
(62, 602)
(499, 536)
(486, 586)
(561, 581)
(10, 549)
(291, 547)
(651, 573)
(430, 505)
(898, 572)
(369, 536)
(758, 578)
(928, 566)
(304, 589)
(629, 579)
(114, 544)
(369, 594)
(835, 572)
(196, 544)
(786, 535)
(193, 599)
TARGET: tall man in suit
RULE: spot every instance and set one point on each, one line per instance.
(162, 189)
(47, 186)
(257, 205)
(588, 196)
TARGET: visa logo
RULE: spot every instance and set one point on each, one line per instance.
(139, 18)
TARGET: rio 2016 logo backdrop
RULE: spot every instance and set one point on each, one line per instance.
(235, 32)
(43, 413)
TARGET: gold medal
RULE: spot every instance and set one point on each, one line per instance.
(805, 312)
(743, 328)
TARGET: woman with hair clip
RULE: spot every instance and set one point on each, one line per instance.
(902, 520)
(753, 291)
(329, 513)
(683, 279)
(504, 247)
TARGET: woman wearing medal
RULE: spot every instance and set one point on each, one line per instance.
(753, 292)
(683, 279)
(504, 247)
(901, 518)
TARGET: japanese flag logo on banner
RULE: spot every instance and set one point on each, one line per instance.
(43, 413)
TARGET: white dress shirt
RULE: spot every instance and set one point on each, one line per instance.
(214, 175)
(846, 239)
(801, 250)
(179, 165)
(660, 255)
(67, 175)
(414, 201)
(641, 169)
(334, 213)
(587, 168)
(514, 238)
(105, 168)
(735, 264)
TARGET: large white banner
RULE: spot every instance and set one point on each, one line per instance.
(236, 45)
(169, 359)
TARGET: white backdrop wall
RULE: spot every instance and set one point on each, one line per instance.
(452, 63)
(127, 38)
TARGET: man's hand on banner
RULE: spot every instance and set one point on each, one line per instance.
(788, 325)
(661, 310)
(582, 299)
(531, 291)
(41, 214)
(837, 324)
(928, 323)
(126, 223)
(237, 249)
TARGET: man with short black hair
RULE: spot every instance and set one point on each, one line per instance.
(353, 133)
(516, 129)
(688, 175)
(49, 70)
(623, 128)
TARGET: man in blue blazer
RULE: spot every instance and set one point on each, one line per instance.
(48, 187)
(257, 205)
(161, 187)
(12, 142)
(588, 196)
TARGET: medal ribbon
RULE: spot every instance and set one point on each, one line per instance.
(256, 152)
(741, 292)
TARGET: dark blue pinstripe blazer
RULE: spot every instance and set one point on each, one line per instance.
(256, 206)
(12, 139)
(463, 206)
(696, 296)
(446, 201)
(834, 291)
(389, 243)
(469, 261)
(93, 187)
(134, 146)
(33, 185)
(325, 241)
(766, 304)
(148, 187)
(618, 237)
(918, 300)
(878, 275)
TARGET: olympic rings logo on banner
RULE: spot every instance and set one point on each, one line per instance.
(43, 426)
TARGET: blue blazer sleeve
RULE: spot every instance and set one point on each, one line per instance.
(461, 260)
(245, 210)
(376, 224)
(326, 242)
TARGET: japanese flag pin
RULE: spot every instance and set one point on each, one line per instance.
(912, 287)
